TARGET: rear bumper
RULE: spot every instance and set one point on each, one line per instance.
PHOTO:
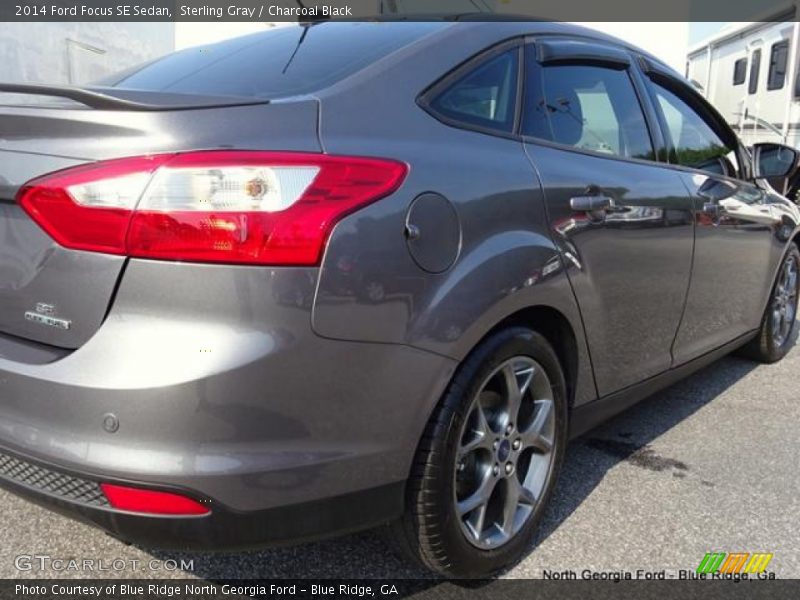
(79, 496)
(220, 390)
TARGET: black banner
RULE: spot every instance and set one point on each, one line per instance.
(505, 589)
(294, 10)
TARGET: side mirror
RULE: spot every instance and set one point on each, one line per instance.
(774, 161)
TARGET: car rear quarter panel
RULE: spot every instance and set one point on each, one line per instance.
(507, 260)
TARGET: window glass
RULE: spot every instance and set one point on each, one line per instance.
(755, 69)
(695, 143)
(739, 71)
(276, 63)
(778, 58)
(588, 107)
(486, 96)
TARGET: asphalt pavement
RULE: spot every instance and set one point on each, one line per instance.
(710, 464)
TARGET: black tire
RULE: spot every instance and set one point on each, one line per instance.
(431, 531)
(765, 347)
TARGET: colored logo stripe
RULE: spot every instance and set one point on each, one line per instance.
(758, 563)
(714, 562)
(734, 562)
(711, 562)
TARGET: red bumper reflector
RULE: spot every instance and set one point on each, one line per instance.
(151, 501)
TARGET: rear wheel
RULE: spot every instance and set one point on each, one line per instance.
(776, 336)
(486, 465)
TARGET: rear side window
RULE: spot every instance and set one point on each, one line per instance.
(755, 70)
(778, 57)
(587, 107)
(739, 71)
(695, 143)
(278, 63)
(486, 96)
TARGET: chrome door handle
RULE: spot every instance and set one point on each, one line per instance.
(591, 203)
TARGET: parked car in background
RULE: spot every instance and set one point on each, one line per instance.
(344, 275)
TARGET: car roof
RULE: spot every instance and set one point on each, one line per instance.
(512, 25)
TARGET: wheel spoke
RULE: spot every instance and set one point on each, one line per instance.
(479, 498)
(535, 434)
(510, 506)
(481, 434)
(791, 282)
(518, 379)
(526, 496)
(476, 520)
(791, 312)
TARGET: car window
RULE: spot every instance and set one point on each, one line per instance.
(277, 63)
(739, 71)
(587, 107)
(755, 70)
(486, 96)
(778, 56)
(694, 142)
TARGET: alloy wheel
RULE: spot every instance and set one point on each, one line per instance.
(504, 459)
(784, 305)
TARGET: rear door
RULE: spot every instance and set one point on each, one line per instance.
(737, 238)
(624, 222)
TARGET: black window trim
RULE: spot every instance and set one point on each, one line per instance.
(632, 71)
(567, 50)
(771, 72)
(426, 98)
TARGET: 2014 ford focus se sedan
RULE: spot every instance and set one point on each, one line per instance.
(339, 275)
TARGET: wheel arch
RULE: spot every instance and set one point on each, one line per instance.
(556, 328)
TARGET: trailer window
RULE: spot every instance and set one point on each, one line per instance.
(797, 85)
(778, 58)
(739, 71)
(755, 69)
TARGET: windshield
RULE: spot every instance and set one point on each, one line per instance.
(281, 62)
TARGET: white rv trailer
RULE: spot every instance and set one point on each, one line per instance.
(749, 72)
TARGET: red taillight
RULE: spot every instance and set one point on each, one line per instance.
(151, 501)
(245, 207)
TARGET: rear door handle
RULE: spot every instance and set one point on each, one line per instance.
(591, 203)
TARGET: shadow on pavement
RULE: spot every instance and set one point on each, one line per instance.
(627, 438)
(624, 438)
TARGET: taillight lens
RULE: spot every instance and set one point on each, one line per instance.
(245, 207)
(151, 502)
